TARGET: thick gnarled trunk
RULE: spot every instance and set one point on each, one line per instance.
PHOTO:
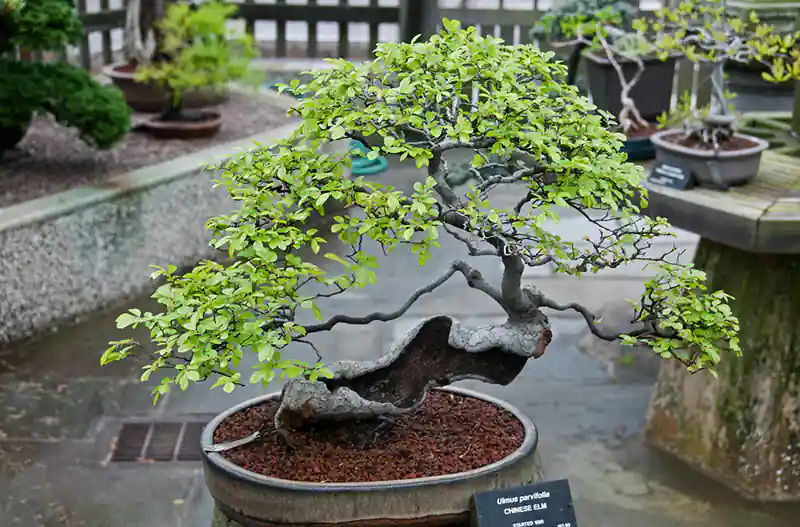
(743, 429)
(437, 352)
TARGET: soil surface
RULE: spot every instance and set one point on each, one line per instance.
(53, 159)
(735, 143)
(642, 131)
(448, 434)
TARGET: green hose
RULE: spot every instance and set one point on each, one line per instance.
(361, 166)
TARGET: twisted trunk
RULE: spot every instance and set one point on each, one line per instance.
(437, 352)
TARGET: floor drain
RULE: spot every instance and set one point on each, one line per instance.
(159, 441)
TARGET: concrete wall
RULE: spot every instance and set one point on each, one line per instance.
(70, 254)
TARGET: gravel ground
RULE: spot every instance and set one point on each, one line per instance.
(53, 159)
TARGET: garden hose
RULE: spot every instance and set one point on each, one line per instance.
(361, 166)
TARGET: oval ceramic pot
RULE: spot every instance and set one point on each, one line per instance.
(149, 98)
(639, 149)
(712, 169)
(183, 129)
(246, 499)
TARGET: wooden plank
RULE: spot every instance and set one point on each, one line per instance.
(86, 57)
(344, 33)
(312, 50)
(281, 11)
(103, 20)
(249, 22)
(491, 17)
(280, 31)
(108, 55)
(374, 28)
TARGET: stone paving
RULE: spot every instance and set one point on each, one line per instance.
(62, 411)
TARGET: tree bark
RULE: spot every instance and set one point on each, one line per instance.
(743, 429)
(436, 352)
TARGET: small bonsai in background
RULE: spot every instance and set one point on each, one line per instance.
(66, 92)
(704, 33)
(414, 96)
(602, 34)
(550, 26)
(198, 52)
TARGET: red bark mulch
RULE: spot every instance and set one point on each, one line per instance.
(450, 433)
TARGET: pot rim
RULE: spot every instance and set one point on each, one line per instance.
(111, 71)
(155, 122)
(658, 140)
(216, 461)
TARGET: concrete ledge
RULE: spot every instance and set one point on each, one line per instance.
(70, 254)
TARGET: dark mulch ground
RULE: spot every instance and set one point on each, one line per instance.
(52, 158)
(448, 434)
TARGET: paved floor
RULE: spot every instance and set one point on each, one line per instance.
(61, 412)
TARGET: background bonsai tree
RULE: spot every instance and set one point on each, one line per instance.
(413, 95)
(703, 32)
(587, 10)
(199, 51)
(65, 91)
(602, 33)
(140, 39)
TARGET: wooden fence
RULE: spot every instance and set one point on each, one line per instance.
(351, 28)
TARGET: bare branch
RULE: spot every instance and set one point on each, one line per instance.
(384, 317)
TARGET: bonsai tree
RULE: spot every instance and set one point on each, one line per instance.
(706, 33)
(199, 52)
(69, 93)
(587, 10)
(140, 40)
(413, 95)
(602, 33)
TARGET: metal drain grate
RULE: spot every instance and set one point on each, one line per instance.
(159, 441)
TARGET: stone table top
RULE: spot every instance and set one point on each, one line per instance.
(762, 216)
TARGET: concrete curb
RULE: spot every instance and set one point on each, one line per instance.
(70, 254)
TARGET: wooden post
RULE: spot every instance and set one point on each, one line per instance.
(418, 17)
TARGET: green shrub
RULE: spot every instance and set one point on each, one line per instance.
(69, 93)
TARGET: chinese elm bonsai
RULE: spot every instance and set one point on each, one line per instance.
(66, 92)
(198, 52)
(706, 33)
(216, 313)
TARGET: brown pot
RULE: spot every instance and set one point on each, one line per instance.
(149, 98)
(207, 126)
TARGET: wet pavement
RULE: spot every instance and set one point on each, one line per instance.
(62, 411)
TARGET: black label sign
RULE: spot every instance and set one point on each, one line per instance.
(672, 176)
(547, 504)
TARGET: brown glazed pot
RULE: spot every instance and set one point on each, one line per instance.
(149, 98)
(194, 129)
(247, 499)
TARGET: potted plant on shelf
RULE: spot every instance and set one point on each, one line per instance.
(708, 144)
(199, 53)
(549, 27)
(143, 44)
(625, 53)
(302, 456)
(68, 93)
(614, 54)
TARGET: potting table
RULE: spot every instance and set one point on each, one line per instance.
(744, 428)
